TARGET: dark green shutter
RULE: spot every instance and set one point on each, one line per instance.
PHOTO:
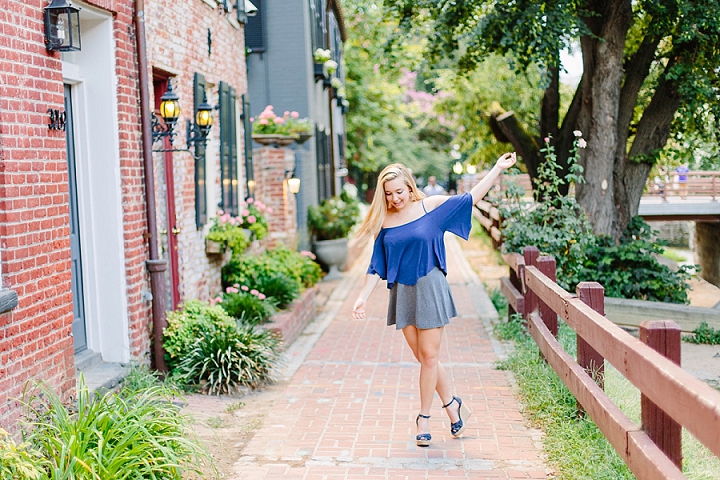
(240, 11)
(255, 29)
(228, 149)
(200, 187)
(247, 126)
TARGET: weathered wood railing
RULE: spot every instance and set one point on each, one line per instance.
(699, 183)
(671, 397)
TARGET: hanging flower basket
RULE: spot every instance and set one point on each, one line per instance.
(213, 247)
(274, 140)
(303, 137)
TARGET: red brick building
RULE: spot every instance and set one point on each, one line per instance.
(76, 219)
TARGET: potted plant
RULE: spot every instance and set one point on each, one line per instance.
(226, 232)
(320, 57)
(302, 128)
(270, 129)
(329, 224)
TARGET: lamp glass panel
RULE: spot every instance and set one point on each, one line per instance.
(294, 185)
(203, 118)
(170, 110)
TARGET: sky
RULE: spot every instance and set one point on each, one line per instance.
(572, 62)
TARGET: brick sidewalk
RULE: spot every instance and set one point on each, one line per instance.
(348, 410)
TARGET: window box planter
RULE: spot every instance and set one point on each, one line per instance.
(320, 72)
(213, 247)
(303, 137)
(274, 140)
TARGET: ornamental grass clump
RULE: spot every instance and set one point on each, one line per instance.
(126, 435)
(209, 349)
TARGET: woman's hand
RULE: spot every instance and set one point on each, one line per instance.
(506, 161)
(358, 312)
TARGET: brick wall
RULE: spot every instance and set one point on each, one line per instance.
(270, 165)
(177, 35)
(35, 340)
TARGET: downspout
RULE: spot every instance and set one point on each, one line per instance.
(333, 190)
(155, 266)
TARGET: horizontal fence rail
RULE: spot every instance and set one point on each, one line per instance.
(698, 184)
(671, 397)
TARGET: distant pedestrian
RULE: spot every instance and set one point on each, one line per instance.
(432, 188)
(409, 252)
(681, 172)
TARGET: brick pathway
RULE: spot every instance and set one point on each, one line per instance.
(349, 407)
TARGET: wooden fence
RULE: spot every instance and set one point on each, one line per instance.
(670, 397)
(699, 184)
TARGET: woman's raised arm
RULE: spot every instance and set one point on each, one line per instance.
(506, 161)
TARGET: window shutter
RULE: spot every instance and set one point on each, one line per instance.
(247, 126)
(255, 29)
(228, 149)
(240, 13)
(200, 187)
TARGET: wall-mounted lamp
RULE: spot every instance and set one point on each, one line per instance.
(169, 111)
(62, 26)
(198, 131)
(458, 168)
(244, 9)
(293, 185)
(251, 188)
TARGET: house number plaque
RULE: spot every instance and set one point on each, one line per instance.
(57, 119)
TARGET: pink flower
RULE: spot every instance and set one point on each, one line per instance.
(252, 119)
(251, 219)
(263, 121)
(236, 285)
(308, 254)
(220, 212)
(245, 288)
(245, 212)
(269, 210)
(218, 300)
(582, 143)
(279, 120)
(231, 290)
(547, 140)
(250, 200)
(254, 292)
(261, 296)
(294, 114)
(286, 114)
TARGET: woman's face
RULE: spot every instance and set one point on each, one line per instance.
(397, 194)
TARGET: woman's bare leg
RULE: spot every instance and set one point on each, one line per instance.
(425, 345)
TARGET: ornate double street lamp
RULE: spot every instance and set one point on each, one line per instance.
(170, 112)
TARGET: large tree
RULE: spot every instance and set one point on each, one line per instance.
(650, 66)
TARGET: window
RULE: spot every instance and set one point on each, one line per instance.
(247, 126)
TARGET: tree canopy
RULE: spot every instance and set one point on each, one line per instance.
(650, 75)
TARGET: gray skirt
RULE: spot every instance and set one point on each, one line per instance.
(427, 304)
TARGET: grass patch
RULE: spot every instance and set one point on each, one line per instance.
(674, 255)
(574, 445)
(499, 302)
(235, 406)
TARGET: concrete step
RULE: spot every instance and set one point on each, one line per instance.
(98, 375)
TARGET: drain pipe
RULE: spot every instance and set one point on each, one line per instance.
(155, 266)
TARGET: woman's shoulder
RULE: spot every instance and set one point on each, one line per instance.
(431, 203)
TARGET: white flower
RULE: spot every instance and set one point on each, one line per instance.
(582, 143)
(577, 133)
(331, 66)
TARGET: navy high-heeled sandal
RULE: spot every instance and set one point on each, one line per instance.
(423, 439)
(456, 429)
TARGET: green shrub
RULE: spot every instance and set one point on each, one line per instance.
(558, 226)
(187, 324)
(263, 273)
(299, 265)
(704, 334)
(629, 268)
(249, 308)
(228, 230)
(226, 358)
(334, 217)
(19, 462)
(135, 434)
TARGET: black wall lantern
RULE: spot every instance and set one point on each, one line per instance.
(199, 131)
(62, 26)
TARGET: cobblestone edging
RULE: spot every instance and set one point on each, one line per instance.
(290, 322)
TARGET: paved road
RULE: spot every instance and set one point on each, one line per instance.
(349, 406)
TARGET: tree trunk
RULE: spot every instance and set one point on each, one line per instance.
(602, 58)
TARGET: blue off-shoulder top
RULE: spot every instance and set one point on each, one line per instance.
(405, 253)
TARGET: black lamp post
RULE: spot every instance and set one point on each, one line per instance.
(62, 26)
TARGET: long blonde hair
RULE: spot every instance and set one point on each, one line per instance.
(375, 217)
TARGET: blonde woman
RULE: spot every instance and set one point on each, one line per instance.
(409, 252)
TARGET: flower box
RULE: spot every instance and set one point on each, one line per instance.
(274, 140)
(319, 71)
(213, 247)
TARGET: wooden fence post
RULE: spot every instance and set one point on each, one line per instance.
(546, 265)
(662, 336)
(530, 254)
(591, 294)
